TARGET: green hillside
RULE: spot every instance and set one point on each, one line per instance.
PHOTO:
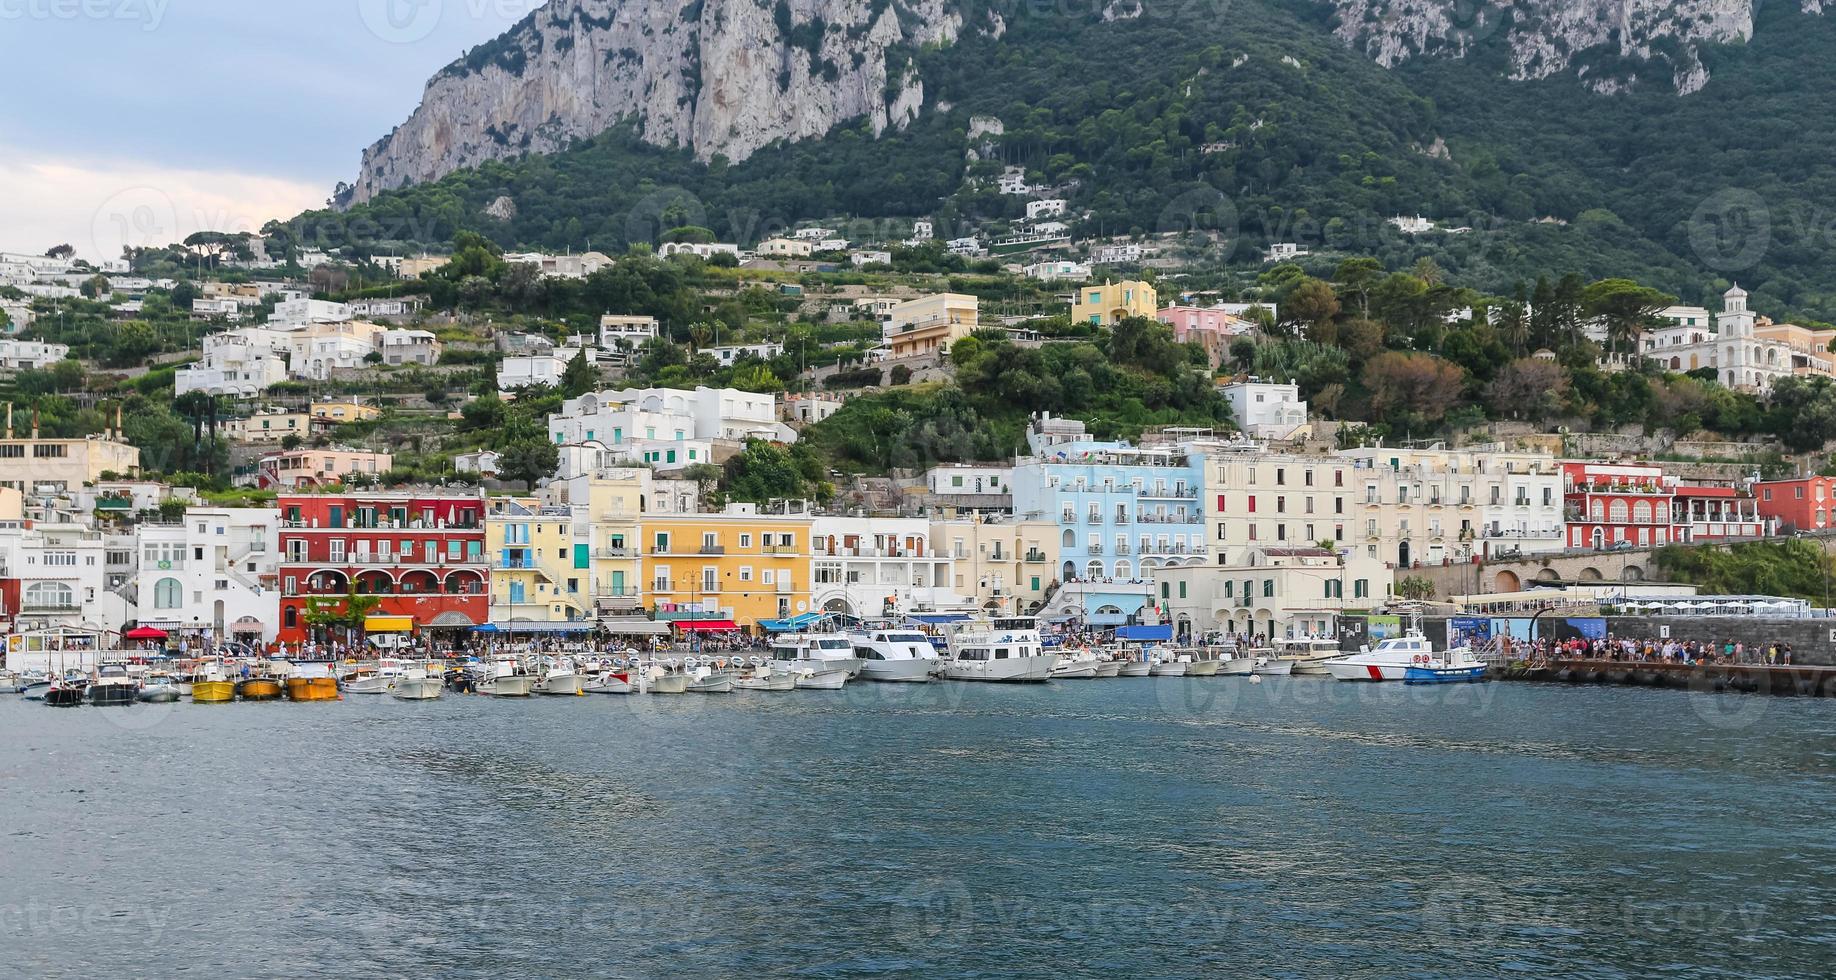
(1308, 142)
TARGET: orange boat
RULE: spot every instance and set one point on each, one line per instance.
(313, 689)
(258, 689)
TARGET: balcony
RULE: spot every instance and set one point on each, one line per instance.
(1095, 548)
(1122, 518)
(48, 607)
(1039, 558)
(614, 552)
(517, 564)
(1123, 551)
(786, 588)
(1093, 518)
(1163, 493)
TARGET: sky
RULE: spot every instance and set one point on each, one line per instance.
(141, 121)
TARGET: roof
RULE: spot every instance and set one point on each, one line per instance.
(1696, 491)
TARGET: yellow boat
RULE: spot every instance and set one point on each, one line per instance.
(212, 692)
(312, 689)
(257, 689)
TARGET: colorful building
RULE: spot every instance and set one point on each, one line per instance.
(1609, 504)
(423, 553)
(930, 324)
(739, 566)
(540, 576)
(1807, 504)
(1104, 305)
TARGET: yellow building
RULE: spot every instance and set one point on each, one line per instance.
(31, 463)
(538, 575)
(1005, 565)
(930, 324)
(341, 412)
(739, 565)
(270, 427)
(1104, 305)
(608, 509)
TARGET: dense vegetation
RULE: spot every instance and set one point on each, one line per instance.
(1794, 567)
(1181, 122)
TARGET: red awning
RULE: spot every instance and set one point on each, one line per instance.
(707, 625)
(144, 633)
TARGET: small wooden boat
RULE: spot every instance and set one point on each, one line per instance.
(313, 689)
(255, 689)
(113, 687)
(64, 694)
(212, 691)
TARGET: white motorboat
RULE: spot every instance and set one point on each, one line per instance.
(417, 683)
(560, 679)
(704, 678)
(159, 689)
(895, 656)
(1167, 668)
(377, 678)
(505, 677)
(1272, 667)
(1134, 660)
(1392, 658)
(814, 657)
(754, 675)
(1077, 666)
(1004, 650)
(613, 679)
(665, 677)
(1109, 668)
(1202, 662)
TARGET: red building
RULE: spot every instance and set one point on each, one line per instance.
(1705, 513)
(424, 553)
(1805, 505)
(1609, 503)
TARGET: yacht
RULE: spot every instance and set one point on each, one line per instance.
(1006, 649)
(821, 661)
(1393, 658)
(895, 656)
(559, 678)
(507, 678)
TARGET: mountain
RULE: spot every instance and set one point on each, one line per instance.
(1685, 144)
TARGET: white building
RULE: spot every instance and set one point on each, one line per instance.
(614, 418)
(546, 368)
(408, 347)
(813, 234)
(382, 307)
(634, 331)
(1283, 251)
(971, 486)
(236, 362)
(728, 355)
(483, 462)
(19, 355)
(706, 250)
(874, 567)
(61, 573)
(870, 257)
(1114, 254)
(562, 266)
(1058, 269)
(1051, 207)
(1266, 410)
(788, 248)
(299, 312)
(964, 246)
(224, 307)
(213, 572)
(810, 408)
(1416, 225)
(1013, 181)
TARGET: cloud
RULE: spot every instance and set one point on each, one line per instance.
(100, 207)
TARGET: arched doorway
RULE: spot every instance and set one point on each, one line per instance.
(1402, 555)
(1590, 574)
(1599, 538)
(1506, 581)
(1632, 573)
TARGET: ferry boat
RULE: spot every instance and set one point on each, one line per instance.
(821, 661)
(1005, 650)
(1393, 658)
(895, 656)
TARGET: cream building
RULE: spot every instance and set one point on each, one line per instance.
(930, 324)
(1000, 565)
(1271, 592)
(34, 465)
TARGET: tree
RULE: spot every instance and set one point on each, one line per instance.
(350, 612)
(766, 471)
(60, 252)
(1626, 308)
(1415, 588)
(1417, 383)
(1528, 388)
(94, 287)
(579, 377)
(1356, 278)
(1312, 305)
(529, 459)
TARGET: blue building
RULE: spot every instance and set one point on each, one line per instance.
(1121, 510)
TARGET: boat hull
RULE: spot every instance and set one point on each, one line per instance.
(609, 684)
(1013, 670)
(1274, 668)
(1075, 670)
(1109, 668)
(312, 689)
(774, 681)
(719, 684)
(1368, 673)
(64, 697)
(1236, 667)
(1203, 668)
(418, 689)
(914, 671)
(1135, 668)
(821, 680)
(561, 685)
(213, 692)
(112, 695)
(371, 684)
(513, 686)
(1168, 670)
(259, 689)
(160, 695)
(1444, 675)
(669, 684)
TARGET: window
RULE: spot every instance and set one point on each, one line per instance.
(1268, 588)
(745, 573)
(745, 540)
(168, 594)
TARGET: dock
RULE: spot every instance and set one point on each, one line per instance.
(1796, 680)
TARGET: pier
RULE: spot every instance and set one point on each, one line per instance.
(1798, 680)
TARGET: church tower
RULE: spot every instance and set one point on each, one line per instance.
(1735, 327)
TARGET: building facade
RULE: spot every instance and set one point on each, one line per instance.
(1104, 305)
(213, 573)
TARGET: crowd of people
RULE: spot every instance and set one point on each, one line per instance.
(1652, 650)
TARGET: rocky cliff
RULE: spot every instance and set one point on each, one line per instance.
(1608, 43)
(721, 77)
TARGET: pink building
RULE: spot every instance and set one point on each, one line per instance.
(1208, 327)
(303, 468)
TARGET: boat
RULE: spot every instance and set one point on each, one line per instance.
(112, 687)
(1076, 667)
(821, 661)
(1272, 667)
(1004, 650)
(756, 675)
(257, 688)
(418, 683)
(1134, 660)
(377, 678)
(1110, 668)
(705, 679)
(613, 679)
(211, 685)
(10, 683)
(1203, 663)
(666, 678)
(1167, 663)
(1465, 674)
(560, 679)
(65, 693)
(1310, 654)
(159, 689)
(505, 677)
(893, 656)
(1392, 658)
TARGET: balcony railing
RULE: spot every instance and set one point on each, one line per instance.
(1175, 493)
(517, 564)
(48, 606)
(1035, 558)
(614, 552)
